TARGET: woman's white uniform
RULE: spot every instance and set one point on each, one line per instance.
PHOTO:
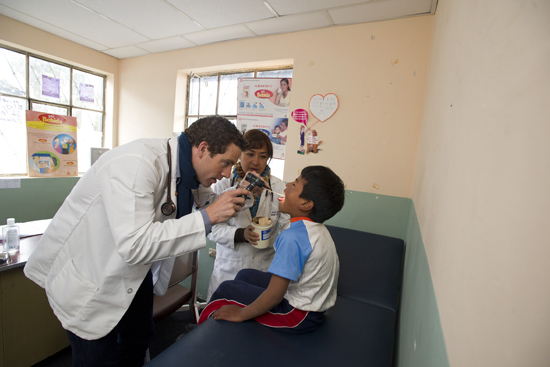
(232, 257)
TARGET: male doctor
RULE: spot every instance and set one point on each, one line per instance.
(100, 258)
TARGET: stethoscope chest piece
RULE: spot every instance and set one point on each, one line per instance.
(168, 208)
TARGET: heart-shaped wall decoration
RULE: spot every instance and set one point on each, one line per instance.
(323, 107)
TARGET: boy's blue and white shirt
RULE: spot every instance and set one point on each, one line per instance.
(305, 254)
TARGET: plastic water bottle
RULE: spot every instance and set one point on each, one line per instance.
(10, 236)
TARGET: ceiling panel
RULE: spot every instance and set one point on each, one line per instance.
(285, 7)
(71, 17)
(291, 23)
(221, 13)
(47, 27)
(124, 52)
(220, 34)
(376, 11)
(167, 44)
(145, 16)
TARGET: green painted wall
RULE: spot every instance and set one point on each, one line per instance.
(38, 198)
(420, 339)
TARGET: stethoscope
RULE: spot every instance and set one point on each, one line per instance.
(168, 208)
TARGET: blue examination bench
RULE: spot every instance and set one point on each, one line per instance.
(360, 330)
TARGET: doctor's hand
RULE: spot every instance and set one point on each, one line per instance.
(226, 206)
(250, 236)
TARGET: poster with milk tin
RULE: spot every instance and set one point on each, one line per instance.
(52, 145)
(264, 104)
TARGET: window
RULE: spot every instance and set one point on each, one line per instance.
(216, 94)
(31, 82)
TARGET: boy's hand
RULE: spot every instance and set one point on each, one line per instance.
(230, 313)
(250, 236)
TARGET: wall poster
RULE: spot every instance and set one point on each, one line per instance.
(264, 104)
(52, 145)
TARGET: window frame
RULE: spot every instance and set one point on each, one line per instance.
(70, 106)
(219, 75)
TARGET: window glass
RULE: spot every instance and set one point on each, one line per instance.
(49, 109)
(13, 132)
(48, 81)
(90, 135)
(12, 73)
(88, 90)
(284, 73)
(193, 104)
(208, 95)
(47, 89)
(205, 98)
(227, 99)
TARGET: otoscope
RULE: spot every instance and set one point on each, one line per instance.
(253, 182)
(256, 181)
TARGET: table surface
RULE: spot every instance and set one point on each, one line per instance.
(27, 246)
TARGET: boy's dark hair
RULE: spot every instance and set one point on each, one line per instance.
(217, 131)
(325, 189)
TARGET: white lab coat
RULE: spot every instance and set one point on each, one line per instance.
(232, 257)
(103, 240)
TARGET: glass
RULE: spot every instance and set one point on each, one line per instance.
(12, 73)
(227, 99)
(49, 81)
(193, 108)
(190, 120)
(88, 90)
(13, 135)
(208, 95)
(283, 73)
(49, 109)
(89, 135)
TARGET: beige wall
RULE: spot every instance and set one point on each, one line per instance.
(482, 184)
(377, 70)
(26, 38)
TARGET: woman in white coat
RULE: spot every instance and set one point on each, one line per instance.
(235, 239)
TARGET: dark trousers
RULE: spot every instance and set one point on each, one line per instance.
(248, 285)
(127, 343)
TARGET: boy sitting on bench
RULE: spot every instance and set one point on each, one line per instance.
(301, 282)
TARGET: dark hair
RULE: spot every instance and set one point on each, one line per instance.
(287, 83)
(325, 189)
(217, 131)
(285, 121)
(256, 139)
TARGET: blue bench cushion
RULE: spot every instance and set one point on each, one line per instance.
(370, 266)
(353, 334)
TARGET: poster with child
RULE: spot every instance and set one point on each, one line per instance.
(264, 104)
(52, 145)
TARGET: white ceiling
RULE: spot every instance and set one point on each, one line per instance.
(129, 28)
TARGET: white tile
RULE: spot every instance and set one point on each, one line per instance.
(290, 23)
(47, 27)
(126, 52)
(376, 11)
(71, 17)
(167, 44)
(220, 34)
(286, 7)
(154, 19)
(221, 13)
